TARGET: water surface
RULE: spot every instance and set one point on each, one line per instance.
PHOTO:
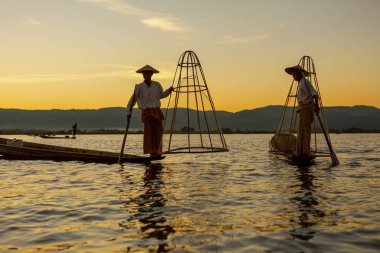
(240, 201)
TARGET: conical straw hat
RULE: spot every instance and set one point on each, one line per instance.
(147, 68)
(290, 70)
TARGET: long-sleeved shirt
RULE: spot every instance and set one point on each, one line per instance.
(147, 96)
(306, 91)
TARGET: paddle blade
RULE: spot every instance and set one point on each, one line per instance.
(334, 159)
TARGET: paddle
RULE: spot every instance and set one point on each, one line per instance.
(124, 139)
(334, 158)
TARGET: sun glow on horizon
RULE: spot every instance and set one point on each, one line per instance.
(82, 54)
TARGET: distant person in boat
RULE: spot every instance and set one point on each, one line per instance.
(74, 132)
(307, 98)
(147, 95)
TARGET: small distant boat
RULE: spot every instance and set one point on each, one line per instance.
(44, 136)
(22, 150)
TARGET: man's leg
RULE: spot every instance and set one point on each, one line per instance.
(307, 132)
(147, 137)
(300, 134)
(304, 132)
(153, 131)
(157, 131)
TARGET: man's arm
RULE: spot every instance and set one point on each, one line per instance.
(314, 94)
(164, 94)
(316, 103)
(131, 103)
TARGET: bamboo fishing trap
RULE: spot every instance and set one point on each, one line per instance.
(191, 124)
(285, 139)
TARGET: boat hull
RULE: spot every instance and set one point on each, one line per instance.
(293, 158)
(10, 149)
(55, 137)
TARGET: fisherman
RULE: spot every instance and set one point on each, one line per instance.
(147, 95)
(307, 98)
(74, 130)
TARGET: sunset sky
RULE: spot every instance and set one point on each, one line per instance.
(83, 54)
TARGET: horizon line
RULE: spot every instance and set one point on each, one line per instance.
(162, 108)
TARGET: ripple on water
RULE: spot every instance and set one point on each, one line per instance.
(241, 201)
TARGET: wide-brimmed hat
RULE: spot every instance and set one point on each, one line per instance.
(147, 68)
(290, 70)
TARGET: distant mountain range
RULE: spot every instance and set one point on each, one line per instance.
(265, 118)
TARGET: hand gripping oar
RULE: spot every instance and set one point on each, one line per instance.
(124, 139)
(334, 158)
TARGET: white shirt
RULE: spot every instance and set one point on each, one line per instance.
(147, 96)
(305, 92)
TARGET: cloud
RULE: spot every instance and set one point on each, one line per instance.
(46, 78)
(231, 39)
(119, 6)
(261, 36)
(129, 71)
(119, 66)
(118, 71)
(164, 24)
(149, 18)
(32, 22)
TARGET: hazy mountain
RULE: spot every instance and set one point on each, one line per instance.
(265, 118)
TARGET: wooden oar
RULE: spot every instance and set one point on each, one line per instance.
(333, 156)
(124, 139)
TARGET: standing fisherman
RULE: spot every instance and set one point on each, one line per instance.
(74, 131)
(307, 98)
(147, 95)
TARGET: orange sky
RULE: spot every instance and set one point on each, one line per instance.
(83, 53)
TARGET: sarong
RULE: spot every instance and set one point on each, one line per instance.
(153, 130)
(306, 117)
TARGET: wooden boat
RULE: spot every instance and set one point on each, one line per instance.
(18, 149)
(283, 147)
(302, 159)
(44, 136)
(292, 158)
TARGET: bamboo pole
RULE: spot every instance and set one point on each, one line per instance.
(333, 156)
(124, 139)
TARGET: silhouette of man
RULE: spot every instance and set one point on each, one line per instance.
(307, 98)
(74, 132)
(147, 95)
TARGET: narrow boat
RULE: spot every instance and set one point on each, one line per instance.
(283, 147)
(44, 136)
(22, 150)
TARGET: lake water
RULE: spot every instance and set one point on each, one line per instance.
(240, 201)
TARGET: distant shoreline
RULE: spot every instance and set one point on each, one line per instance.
(117, 131)
(112, 120)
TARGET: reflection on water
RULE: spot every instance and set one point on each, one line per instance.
(307, 204)
(148, 209)
(240, 201)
